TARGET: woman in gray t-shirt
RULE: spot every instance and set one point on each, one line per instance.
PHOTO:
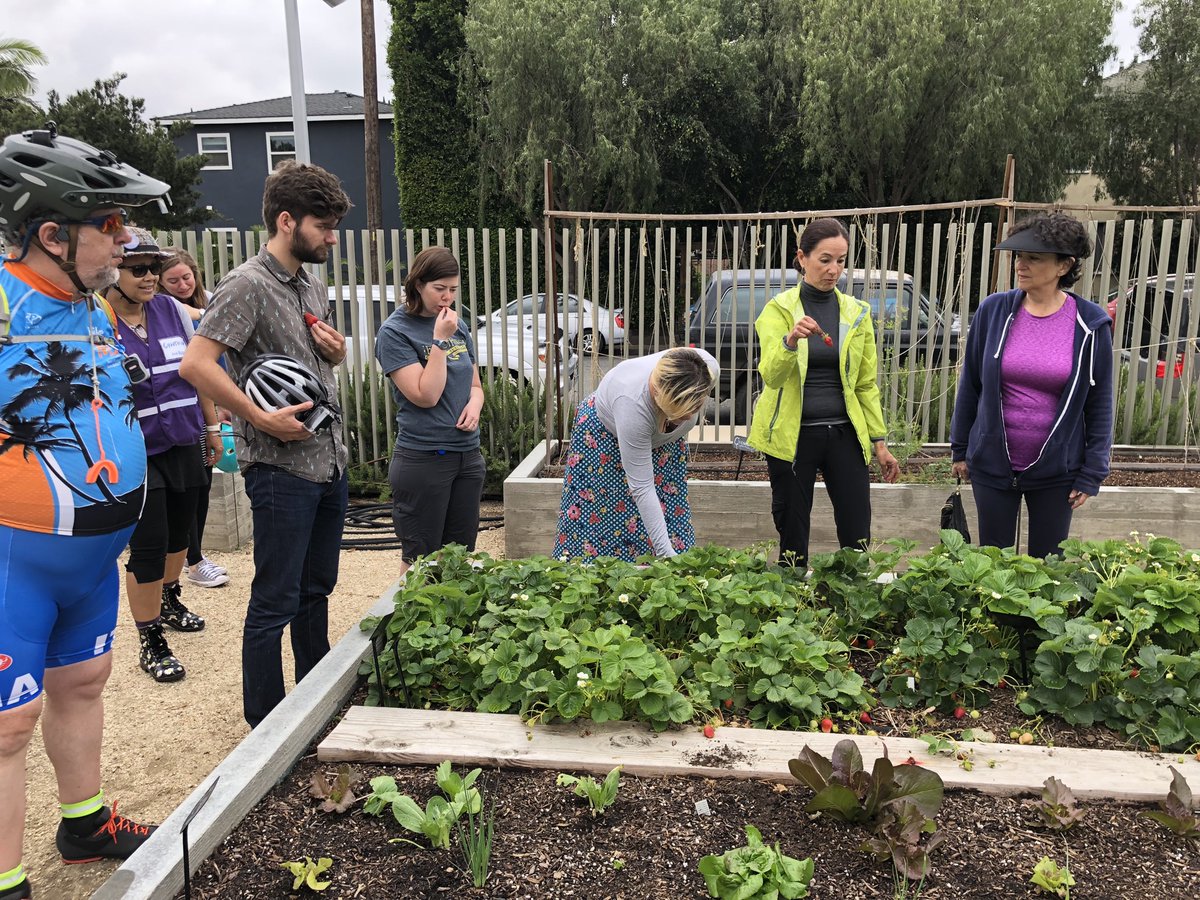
(625, 487)
(437, 471)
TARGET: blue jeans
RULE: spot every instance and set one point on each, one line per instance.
(297, 543)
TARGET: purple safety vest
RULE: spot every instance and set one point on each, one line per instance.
(167, 406)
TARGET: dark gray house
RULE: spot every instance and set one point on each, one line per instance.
(244, 142)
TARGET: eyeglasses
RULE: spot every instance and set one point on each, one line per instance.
(141, 270)
(109, 223)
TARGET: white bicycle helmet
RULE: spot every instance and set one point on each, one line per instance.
(274, 381)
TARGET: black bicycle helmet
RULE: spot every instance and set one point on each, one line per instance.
(274, 381)
(44, 175)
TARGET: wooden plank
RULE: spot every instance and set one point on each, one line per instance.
(417, 736)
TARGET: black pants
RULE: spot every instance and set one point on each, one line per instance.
(1048, 522)
(196, 537)
(833, 450)
(162, 529)
(435, 499)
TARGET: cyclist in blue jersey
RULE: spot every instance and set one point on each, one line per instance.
(72, 475)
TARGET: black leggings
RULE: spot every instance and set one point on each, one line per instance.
(834, 450)
(1047, 525)
(196, 537)
(163, 528)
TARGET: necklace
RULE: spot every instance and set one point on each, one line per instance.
(138, 328)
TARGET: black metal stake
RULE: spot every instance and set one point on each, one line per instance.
(187, 863)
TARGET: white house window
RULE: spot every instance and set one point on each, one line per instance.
(281, 145)
(216, 148)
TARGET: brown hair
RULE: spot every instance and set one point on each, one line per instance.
(429, 265)
(682, 381)
(175, 257)
(302, 190)
(816, 231)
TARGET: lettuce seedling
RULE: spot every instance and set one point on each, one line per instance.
(306, 872)
(1050, 878)
(598, 796)
(1057, 807)
(338, 794)
(756, 870)
(1176, 811)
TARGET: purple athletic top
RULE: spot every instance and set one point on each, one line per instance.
(1034, 369)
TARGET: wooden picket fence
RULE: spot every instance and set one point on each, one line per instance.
(656, 269)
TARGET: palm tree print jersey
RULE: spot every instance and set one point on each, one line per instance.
(72, 459)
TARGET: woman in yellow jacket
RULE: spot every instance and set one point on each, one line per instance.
(820, 409)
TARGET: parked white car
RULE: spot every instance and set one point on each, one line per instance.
(520, 358)
(588, 325)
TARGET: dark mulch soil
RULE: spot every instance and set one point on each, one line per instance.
(648, 845)
(1128, 469)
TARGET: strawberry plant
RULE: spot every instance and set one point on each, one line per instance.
(756, 871)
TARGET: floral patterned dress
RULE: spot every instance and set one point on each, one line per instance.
(598, 516)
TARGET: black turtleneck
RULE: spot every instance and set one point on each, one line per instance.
(824, 403)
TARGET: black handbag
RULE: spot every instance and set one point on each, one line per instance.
(954, 516)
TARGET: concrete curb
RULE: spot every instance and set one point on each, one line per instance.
(255, 766)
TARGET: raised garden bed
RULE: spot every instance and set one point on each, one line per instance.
(737, 513)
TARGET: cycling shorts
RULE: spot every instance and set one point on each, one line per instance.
(58, 604)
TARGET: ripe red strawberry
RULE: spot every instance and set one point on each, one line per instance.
(729, 703)
(959, 712)
(827, 725)
(854, 641)
(310, 320)
(870, 644)
(1134, 673)
(865, 718)
(709, 731)
(827, 339)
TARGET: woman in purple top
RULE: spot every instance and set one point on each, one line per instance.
(1033, 415)
(182, 436)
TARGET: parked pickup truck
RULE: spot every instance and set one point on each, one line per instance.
(723, 321)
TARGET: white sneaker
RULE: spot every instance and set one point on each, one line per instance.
(205, 574)
(205, 561)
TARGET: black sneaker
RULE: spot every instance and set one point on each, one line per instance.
(116, 838)
(175, 614)
(22, 891)
(156, 657)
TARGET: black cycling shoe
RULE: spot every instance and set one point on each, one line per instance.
(22, 891)
(116, 838)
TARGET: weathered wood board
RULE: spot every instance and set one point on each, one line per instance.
(407, 736)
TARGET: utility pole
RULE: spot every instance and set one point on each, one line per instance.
(371, 120)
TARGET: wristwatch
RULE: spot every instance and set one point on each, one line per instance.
(442, 345)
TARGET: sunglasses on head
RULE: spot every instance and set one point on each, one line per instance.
(109, 223)
(141, 270)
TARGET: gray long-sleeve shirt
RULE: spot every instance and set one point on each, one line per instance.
(624, 406)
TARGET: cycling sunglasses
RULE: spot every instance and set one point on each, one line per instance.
(141, 270)
(109, 223)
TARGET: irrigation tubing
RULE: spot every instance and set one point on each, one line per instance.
(369, 527)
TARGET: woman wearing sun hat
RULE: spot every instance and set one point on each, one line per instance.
(1033, 415)
(182, 436)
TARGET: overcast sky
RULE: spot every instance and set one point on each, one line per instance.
(183, 55)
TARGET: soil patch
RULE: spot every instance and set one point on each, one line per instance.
(650, 841)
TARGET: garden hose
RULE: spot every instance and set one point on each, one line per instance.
(369, 527)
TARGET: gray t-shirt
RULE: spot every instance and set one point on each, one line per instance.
(624, 406)
(258, 308)
(405, 339)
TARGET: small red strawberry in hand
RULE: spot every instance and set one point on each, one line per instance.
(310, 320)
(826, 338)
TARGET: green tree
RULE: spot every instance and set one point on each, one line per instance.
(17, 61)
(437, 167)
(921, 100)
(1152, 114)
(104, 117)
(671, 106)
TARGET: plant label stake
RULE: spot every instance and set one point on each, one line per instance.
(378, 637)
(187, 865)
